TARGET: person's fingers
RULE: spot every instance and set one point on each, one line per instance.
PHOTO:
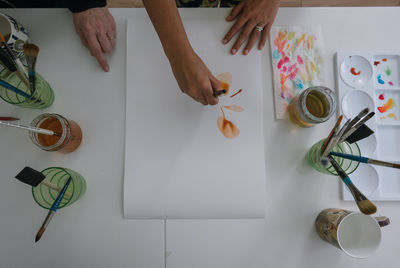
(96, 51)
(246, 31)
(215, 84)
(254, 37)
(235, 12)
(105, 42)
(83, 39)
(234, 29)
(264, 36)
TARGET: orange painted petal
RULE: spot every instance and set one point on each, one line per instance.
(235, 108)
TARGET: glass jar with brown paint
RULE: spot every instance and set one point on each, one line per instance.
(312, 106)
(67, 133)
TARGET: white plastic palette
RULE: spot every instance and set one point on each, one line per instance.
(373, 80)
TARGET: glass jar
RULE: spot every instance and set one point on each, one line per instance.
(313, 106)
(68, 134)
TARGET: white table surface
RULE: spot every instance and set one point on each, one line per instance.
(93, 233)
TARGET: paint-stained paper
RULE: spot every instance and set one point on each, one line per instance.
(296, 54)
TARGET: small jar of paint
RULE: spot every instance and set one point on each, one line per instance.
(313, 106)
(68, 138)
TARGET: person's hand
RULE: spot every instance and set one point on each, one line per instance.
(96, 29)
(195, 79)
(248, 15)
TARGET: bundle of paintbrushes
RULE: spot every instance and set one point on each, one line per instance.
(352, 131)
(15, 66)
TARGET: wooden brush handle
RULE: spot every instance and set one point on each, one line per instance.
(54, 187)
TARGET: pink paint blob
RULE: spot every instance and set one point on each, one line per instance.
(284, 69)
(390, 83)
(299, 59)
(282, 61)
(293, 74)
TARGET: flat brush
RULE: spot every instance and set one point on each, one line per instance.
(219, 92)
(356, 119)
(357, 126)
(17, 62)
(34, 178)
(366, 160)
(31, 51)
(52, 210)
(365, 206)
(361, 133)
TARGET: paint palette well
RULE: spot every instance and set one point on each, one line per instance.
(380, 91)
(356, 71)
(386, 71)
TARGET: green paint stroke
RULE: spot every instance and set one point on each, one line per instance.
(388, 72)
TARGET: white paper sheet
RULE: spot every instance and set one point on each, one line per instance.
(177, 163)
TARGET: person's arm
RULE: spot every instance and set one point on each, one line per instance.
(191, 73)
(95, 26)
(249, 14)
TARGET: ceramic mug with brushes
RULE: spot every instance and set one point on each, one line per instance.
(14, 33)
(357, 234)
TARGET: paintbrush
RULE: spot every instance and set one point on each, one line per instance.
(16, 61)
(34, 178)
(52, 210)
(366, 160)
(356, 126)
(363, 113)
(361, 133)
(335, 140)
(30, 128)
(14, 89)
(8, 118)
(331, 134)
(219, 92)
(31, 51)
(12, 67)
(365, 206)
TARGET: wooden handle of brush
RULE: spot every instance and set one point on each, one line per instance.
(55, 187)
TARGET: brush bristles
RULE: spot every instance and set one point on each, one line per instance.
(39, 234)
(31, 50)
(2, 38)
(366, 207)
(396, 165)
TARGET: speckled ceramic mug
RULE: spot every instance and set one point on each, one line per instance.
(14, 33)
(357, 234)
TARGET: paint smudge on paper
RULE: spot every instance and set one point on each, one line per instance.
(225, 80)
(381, 96)
(353, 71)
(389, 116)
(233, 95)
(384, 59)
(380, 81)
(235, 108)
(376, 63)
(227, 128)
(387, 106)
(297, 63)
(390, 83)
(388, 71)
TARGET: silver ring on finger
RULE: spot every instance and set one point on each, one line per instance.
(259, 28)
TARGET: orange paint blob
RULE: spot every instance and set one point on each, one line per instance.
(235, 108)
(227, 128)
(225, 80)
(353, 71)
(384, 59)
(392, 115)
(387, 106)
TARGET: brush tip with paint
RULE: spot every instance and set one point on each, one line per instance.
(367, 207)
(219, 92)
(31, 50)
(39, 234)
(2, 39)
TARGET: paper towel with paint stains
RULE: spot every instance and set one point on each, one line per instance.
(297, 63)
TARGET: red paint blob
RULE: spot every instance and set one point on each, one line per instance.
(382, 96)
(376, 63)
(353, 71)
(233, 95)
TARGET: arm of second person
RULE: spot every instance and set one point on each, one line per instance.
(192, 75)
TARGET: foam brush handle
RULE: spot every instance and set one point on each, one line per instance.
(361, 159)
